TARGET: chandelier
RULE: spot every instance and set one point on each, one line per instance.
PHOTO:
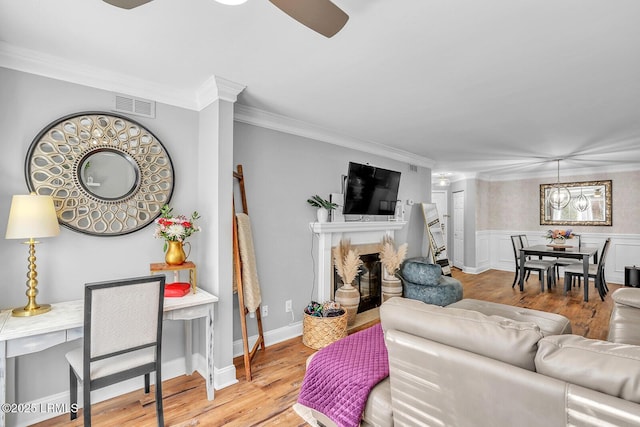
(559, 197)
(581, 203)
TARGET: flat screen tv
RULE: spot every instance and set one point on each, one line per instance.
(370, 190)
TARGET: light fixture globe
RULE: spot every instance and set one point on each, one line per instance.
(560, 196)
(581, 203)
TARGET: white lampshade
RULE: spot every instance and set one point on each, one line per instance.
(32, 216)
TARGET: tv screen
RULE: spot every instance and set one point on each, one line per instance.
(370, 190)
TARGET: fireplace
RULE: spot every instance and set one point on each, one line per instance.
(368, 282)
(366, 237)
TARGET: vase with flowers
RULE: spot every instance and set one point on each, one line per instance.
(347, 262)
(174, 230)
(559, 237)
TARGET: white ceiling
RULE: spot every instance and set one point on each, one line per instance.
(485, 87)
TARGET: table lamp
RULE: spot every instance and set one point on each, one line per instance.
(32, 217)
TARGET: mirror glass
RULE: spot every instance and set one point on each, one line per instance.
(107, 174)
(437, 245)
(587, 203)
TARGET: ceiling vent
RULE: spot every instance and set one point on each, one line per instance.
(413, 168)
(131, 105)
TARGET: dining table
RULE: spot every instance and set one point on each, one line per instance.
(583, 253)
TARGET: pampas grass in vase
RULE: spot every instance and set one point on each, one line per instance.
(347, 262)
(391, 260)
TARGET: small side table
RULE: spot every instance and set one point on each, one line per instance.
(187, 265)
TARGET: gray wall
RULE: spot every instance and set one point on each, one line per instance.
(282, 171)
(66, 262)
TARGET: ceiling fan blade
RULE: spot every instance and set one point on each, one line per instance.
(321, 16)
(126, 4)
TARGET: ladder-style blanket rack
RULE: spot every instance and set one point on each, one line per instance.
(245, 276)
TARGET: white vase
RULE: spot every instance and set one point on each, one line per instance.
(323, 214)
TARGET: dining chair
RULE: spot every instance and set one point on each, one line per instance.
(564, 262)
(122, 339)
(542, 266)
(596, 272)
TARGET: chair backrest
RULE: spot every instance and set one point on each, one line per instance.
(516, 242)
(577, 236)
(122, 316)
(603, 257)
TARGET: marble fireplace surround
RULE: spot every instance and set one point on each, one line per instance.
(361, 233)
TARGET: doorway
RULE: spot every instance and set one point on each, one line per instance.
(458, 229)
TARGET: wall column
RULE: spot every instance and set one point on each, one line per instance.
(215, 198)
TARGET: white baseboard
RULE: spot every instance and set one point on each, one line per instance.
(270, 337)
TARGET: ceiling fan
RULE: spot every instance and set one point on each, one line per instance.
(321, 16)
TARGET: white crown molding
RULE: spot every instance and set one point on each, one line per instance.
(38, 63)
(265, 119)
(217, 88)
(54, 67)
(564, 172)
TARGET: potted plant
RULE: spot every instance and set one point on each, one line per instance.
(324, 206)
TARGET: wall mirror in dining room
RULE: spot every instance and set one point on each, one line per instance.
(108, 175)
(576, 203)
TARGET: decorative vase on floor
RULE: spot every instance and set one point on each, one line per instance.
(349, 298)
(175, 253)
(391, 286)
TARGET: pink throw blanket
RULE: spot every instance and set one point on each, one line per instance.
(341, 375)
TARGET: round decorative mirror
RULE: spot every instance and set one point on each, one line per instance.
(107, 174)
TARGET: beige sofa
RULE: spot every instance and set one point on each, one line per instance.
(475, 363)
(456, 367)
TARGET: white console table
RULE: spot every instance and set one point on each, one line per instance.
(24, 335)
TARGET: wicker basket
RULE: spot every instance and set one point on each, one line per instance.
(319, 332)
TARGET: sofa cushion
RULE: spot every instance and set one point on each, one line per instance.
(421, 271)
(607, 367)
(549, 323)
(497, 337)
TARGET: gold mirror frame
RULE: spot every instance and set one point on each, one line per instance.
(64, 147)
(598, 212)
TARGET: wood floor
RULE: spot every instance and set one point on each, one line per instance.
(279, 371)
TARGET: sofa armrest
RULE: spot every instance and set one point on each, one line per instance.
(625, 317)
(627, 296)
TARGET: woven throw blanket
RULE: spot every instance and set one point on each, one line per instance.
(341, 375)
(250, 284)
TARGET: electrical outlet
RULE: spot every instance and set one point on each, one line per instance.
(287, 306)
(265, 310)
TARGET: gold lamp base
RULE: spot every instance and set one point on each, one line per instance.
(30, 311)
(32, 308)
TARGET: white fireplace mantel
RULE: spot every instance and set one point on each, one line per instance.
(358, 232)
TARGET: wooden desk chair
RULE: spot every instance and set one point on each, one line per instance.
(122, 337)
(596, 272)
(539, 265)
